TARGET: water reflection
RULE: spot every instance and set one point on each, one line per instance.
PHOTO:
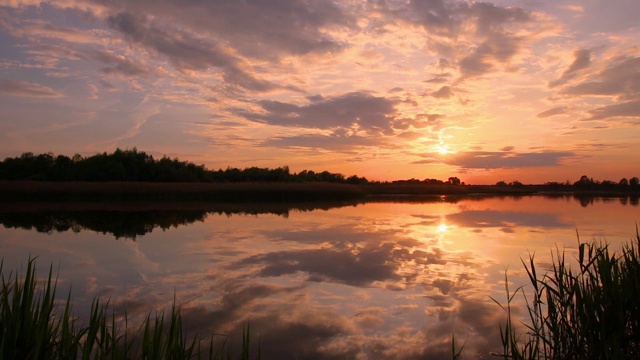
(381, 280)
(131, 220)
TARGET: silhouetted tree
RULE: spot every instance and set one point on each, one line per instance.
(453, 181)
(515, 183)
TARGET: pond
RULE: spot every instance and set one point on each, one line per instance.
(381, 279)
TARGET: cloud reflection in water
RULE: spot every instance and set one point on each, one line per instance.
(379, 280)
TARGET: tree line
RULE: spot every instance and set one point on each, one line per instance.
(585, 183)
(134, 165)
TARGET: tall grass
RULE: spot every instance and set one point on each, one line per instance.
(590, 312)
(32, 326)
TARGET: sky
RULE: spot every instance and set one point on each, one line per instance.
(525, 90)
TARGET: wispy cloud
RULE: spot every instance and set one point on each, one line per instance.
(27, 89)
(582, 61)
(553, 112)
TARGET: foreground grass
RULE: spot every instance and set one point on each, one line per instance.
(591, 312)
(33, 327)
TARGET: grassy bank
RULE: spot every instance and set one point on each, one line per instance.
(591, 311)
(32, 326)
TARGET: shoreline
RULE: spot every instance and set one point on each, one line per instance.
(256, 192)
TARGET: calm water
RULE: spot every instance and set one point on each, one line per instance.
(366, 281)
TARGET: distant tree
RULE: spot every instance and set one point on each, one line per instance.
(433, 181)
(623, 182)
(501, 183)
(453, 181)
(515, 183)
(584, 183)
(634, 182)
(356, 180)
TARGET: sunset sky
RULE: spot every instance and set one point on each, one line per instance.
(525, 90)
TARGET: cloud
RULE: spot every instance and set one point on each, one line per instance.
(118, 64)
(620, 78)
(507, 160)
(439, 78)
(317, 141)
(553, 112)
(370, 113)
(476, 36)
(26, 89)
(256, 29)
(629, 109)
(47, 30)
(443, 93)
(594, 88)
(418, 121)
(185, 51)
(582, 61)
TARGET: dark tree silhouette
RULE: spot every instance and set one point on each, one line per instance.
(134, 165)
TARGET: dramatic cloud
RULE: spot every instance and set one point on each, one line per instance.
(26, 89)
(367, 112)
(255, 29)
(481, 34)
(186, 51)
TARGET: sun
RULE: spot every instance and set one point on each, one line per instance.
(442, 149)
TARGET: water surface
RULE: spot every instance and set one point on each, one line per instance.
(382, 279)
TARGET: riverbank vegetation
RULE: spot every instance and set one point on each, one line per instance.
(138, 166)
(133, 166)
(34, 326)
(590, 311)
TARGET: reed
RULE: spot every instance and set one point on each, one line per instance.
(32, 326)
(590, 312)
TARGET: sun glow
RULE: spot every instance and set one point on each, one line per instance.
(442, 149)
